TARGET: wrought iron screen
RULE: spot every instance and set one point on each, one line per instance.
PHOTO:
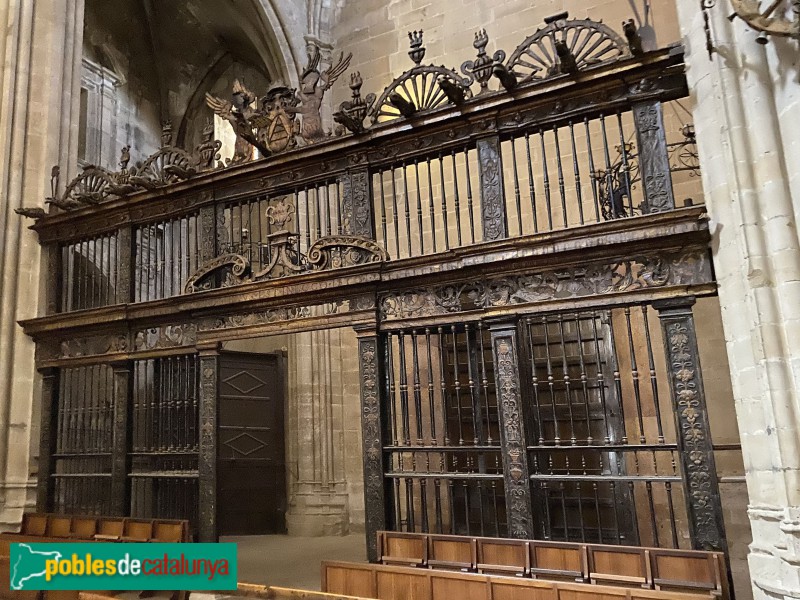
(444, 454)
(83, 452)
(603, 459)
(90, 272)
(164, 438)
(167, 253)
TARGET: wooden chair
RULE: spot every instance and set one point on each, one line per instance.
(59, 526)
(558, 560)
(452, 552)
(619, 565)
(83, 528)
(138, 530)
(687, 571)
(409, 549)
(34, 524)
(110, 529)
(170, 531)
(503, 557)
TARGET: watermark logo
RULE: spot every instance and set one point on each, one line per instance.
(109, 566)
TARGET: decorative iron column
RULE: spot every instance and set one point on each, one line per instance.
(493, 204)
(54, 278)
(47, 439)
(698, 470)
(208, 232)
(370, 368)
(207, 459)
(356, 204)
(125, 265)
(653, 157)
(512, 430)
(120, 438)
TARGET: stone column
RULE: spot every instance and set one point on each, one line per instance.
(317, 484)
(40, 46)
(748, 139)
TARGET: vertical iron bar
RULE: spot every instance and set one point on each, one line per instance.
(407, 208)
(531, 183)
(469, 199)
(456, 198)
(560, 167)
(444, 203)
(546, 182)
(419, 208)
(404, 390)
(517, 198)
(430, 387)
(577, 173)
(431, 210)
(457, 385)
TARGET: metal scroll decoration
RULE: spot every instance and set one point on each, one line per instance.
(421, 88)
(334, 252)
(331, 252)
(565, 45)
(169, 164)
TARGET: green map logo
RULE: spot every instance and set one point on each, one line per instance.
(126, 566)
(29, 564)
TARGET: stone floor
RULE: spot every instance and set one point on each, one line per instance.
(285, 561)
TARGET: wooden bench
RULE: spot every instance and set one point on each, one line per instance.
(44, 528)
(245, 590)
(114, 529)
(391, 582)
(648, 568)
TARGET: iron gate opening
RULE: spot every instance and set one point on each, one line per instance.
(164, 438)
(603, 458)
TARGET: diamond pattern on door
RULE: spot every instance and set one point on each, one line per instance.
(244, 382)
(245, 444)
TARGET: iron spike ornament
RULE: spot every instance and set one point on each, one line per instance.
(480, 69)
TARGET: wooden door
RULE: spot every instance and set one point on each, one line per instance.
(251, 494)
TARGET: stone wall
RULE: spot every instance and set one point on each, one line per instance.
(746, 96)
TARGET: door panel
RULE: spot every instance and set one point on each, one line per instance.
(251, 471)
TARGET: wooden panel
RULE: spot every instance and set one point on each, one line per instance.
(580, 591)
(452, 551)
(463, 589)
(618, 564)
(59, 526)
(683, 571)
(557, 557)
(84, 527)
(522, 590)
(402, 586)
(403, 548)
(34, 524)
(169, 532)
(503, 556)
(351, 581)
(138, 530)
(112, 527)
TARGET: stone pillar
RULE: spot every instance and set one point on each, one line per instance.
(40, 46)
(317, 485)
(748, 139)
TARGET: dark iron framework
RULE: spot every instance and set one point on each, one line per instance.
(515, 265)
